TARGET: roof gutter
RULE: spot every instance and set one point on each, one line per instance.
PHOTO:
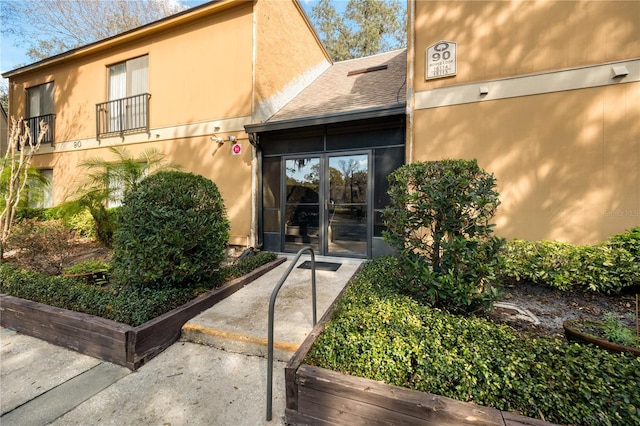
(378, 112)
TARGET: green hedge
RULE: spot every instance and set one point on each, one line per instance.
(126, 304)
(380, 334)
(606, 268)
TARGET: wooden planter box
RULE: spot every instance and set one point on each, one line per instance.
(317, 396)
(109, 340)
(572, 332)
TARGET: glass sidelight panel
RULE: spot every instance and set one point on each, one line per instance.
(302, 203)
(347, 206)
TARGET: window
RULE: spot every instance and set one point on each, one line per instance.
(40, 190)
(126, 81)
(127, 107)
(129, 78)
(118, 184)
(40, 107)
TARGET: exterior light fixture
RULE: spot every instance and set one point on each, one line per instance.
(232, 139)
(618, 71)
(215, 138)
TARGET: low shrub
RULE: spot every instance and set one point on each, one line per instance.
(73, 215)
(173, 232)
(378, 333)
(244, 266)
(126, 304)
(92, 271)
(605, 268)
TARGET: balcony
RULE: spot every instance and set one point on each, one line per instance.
(123, 116)
(34, 126)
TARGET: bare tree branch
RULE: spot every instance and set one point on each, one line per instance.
(49, 27)
(14, 172)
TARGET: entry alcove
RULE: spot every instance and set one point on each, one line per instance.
(325, 185)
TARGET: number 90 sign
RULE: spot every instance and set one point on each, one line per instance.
(441, 60)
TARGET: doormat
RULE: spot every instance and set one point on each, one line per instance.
(320, 266)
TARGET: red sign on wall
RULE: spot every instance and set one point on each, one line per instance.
(236, 149)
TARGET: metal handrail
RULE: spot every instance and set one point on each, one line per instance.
(272, 304)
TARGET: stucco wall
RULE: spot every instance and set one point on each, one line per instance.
(288, 55)
(566, 163)
(499, 39)
(196, 155)
(561, 135)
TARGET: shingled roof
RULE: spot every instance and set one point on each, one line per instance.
(365, 84)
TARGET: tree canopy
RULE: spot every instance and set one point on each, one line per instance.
(367, 27)
(50, 27)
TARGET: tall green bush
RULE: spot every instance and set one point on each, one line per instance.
(172, 232)
(439, 223)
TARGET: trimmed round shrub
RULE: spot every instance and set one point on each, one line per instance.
(173, 232)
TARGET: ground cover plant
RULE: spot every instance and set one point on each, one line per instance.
(380, 333)
(132, 305)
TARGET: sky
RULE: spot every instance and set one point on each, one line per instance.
(12, 57)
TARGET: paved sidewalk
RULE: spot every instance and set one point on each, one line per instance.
(187, 384)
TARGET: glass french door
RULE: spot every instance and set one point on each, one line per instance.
(302, 203)
(347, 204)
(326, 204)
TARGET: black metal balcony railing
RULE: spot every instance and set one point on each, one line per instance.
(123, 116)
(34, 126)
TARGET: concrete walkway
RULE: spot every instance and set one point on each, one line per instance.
(220, 382)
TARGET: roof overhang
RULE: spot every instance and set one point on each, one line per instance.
(377, 112)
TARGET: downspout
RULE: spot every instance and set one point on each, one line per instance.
(254, 147)
(411, 39)
(255, 141)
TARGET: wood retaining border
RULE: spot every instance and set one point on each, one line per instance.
(109, 340)
(317, 396)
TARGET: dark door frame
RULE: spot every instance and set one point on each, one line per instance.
(324, 198)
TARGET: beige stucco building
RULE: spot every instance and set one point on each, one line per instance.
(546, 95)
(4, 130)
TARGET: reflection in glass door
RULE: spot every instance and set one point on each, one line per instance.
(348, 187)
(302, 203)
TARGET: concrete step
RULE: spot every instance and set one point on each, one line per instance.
(240, 323)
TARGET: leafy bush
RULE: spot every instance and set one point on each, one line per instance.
(75, 216)
(439, 223)
(173, 232)
(606, 268)
(126, 304)
(378, 333)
